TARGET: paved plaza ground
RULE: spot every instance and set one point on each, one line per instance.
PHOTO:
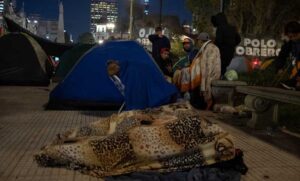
(25, 127)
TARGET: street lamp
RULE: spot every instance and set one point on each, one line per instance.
(160, 13)
(222, 2)
(131, 19)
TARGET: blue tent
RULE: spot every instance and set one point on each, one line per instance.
(88, 81)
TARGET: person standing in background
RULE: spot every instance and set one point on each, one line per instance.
(290, 54)
(158, 41)
(227, 38)
(205, 68)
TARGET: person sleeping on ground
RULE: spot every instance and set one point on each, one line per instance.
(168, 138)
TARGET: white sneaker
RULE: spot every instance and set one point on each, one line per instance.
(287, 87)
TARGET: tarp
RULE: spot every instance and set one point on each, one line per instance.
(239, 64)
(88, 82)
(23, 61)
(69, 59)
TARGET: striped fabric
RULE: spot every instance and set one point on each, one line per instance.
(118, 84)
(205, 67)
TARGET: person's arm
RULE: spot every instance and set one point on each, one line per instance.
(212, 69)
(193, 55)
(168, 43)
(153, 37)
(237, 38)
(283, 55)
(169, 70)
(118, 83)
(219, 37)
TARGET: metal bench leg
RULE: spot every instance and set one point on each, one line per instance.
(223, 95)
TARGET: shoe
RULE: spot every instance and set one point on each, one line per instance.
(289, 84)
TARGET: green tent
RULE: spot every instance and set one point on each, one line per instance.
(69, 59)
(23, 61)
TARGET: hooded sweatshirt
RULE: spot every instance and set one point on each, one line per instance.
(227, 38)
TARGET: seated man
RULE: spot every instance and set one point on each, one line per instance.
(139, 83)
(191, 52)
(113, 69)
(290, 54)
(165, 63)
(181, 77)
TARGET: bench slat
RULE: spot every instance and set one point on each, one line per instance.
(271, 93)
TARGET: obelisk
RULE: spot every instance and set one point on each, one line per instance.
(61, 26)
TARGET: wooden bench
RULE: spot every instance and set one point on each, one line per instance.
(263, 101)
(224, 91)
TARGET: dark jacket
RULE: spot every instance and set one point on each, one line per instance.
(192, 54)
(227, 38)
(288, 49)
(163, 64)
(157, 44)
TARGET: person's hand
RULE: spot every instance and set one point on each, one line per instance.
(159, 33)
(280, 71)
(169, 68)
(169, 79)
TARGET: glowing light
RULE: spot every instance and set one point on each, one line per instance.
(110, 25)
(255, 63)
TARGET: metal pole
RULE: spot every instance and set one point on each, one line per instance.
(131, 19)
(160, 13)
(221, 6)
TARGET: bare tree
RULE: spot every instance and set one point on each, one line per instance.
(263, 17)
(123, 22)
(202, 11)
(252, 17)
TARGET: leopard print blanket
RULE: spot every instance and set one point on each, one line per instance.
(168, 138)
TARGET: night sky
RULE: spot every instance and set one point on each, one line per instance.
(77, 12)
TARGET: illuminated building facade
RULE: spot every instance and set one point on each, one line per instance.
(1, 16)
(146, 7)
(1, 7)
(103, 12)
